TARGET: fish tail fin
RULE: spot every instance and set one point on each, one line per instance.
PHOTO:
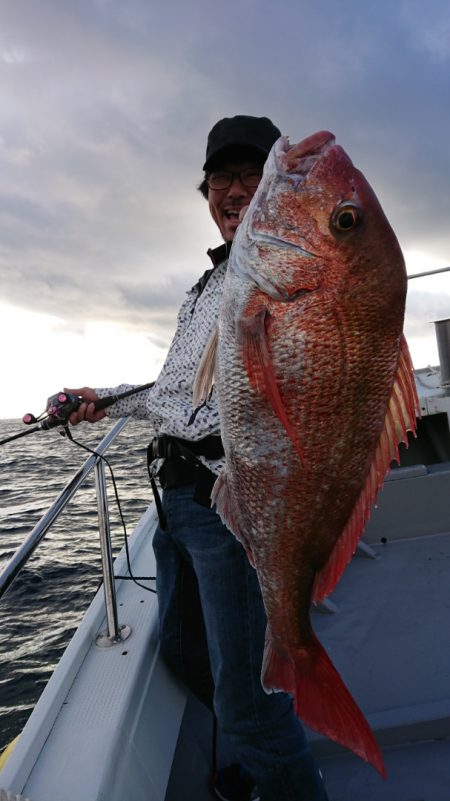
(321, 698)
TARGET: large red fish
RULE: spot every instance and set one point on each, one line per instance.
(315, 390)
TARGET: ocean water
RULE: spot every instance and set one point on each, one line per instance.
(42, 608)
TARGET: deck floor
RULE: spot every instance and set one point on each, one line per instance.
(389, 640)
(416, 772)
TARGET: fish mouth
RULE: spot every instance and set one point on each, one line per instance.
(300, 159)
(294, 163)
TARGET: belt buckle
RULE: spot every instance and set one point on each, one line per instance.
(159, 447)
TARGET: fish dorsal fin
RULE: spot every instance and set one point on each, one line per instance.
(204, 379)
(403, 408)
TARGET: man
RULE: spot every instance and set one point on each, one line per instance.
(212, 620)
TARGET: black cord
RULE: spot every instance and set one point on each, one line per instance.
(65, 432)
(201, 406)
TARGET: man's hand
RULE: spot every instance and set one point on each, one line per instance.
(86, 410)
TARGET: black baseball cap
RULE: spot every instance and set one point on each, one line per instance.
(258, 133)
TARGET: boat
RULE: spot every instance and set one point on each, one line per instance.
(113, 723)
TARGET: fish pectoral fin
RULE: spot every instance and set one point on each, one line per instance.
(403, 409)
(321, 698)
(204, 379)
(252, 334)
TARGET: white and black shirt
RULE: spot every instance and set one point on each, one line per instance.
(168, 404)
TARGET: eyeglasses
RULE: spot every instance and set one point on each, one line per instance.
(223, 180)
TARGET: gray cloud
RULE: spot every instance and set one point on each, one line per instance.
(104, 115)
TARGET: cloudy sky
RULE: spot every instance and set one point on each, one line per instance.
(104, 112)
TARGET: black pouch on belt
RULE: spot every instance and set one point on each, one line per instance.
(182, 466)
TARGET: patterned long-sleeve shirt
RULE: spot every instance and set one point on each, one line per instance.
(168, 404)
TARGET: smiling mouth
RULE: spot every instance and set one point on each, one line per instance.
(232, 214)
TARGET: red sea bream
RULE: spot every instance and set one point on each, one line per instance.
(315, 390)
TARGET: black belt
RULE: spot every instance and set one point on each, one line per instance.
(182, 466)
(168, 447)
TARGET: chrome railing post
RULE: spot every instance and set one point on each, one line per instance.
(114, 632)
(106, 550)
(11, 570)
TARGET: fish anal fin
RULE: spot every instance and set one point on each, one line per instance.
(403, 409)
(227, 510)
(321, 698)
(253, 337)
(204, 379)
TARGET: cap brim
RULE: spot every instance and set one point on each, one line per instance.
(221, 153)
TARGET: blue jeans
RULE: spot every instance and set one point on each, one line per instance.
(212, 626)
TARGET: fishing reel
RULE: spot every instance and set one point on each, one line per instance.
(58, 410)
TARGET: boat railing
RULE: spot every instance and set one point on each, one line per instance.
(115, 633)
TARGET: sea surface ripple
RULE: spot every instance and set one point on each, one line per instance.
(46, 602)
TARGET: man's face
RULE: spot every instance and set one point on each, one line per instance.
(226, 204)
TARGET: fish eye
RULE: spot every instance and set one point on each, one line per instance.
(346, 217)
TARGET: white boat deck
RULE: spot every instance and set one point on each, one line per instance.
(107, 723)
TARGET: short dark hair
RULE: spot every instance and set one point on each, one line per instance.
(203, 188)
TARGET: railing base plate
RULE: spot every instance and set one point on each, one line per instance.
(104, 640)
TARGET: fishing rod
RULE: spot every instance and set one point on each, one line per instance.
(61, 405)
(429, 272)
